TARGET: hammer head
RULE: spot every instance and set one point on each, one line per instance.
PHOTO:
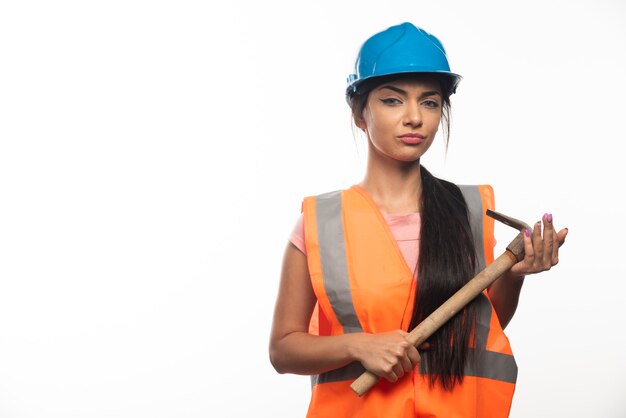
(516, 247)
(507, 220)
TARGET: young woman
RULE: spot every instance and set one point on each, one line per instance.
(367, 264)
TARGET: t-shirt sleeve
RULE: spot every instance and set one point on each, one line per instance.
(297, 235)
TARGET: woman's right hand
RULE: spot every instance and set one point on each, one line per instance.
(389, 355)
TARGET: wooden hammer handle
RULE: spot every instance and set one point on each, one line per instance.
(450, 307)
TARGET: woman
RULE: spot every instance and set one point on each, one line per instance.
(367, 264)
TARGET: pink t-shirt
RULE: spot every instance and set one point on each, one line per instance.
(404, 228)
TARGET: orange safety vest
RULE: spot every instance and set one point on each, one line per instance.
(363, 284)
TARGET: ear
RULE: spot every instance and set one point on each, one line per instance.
(360, 123)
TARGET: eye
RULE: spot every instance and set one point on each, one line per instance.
(391, 101)
(431, 104)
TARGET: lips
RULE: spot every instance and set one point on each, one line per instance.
(412, 139)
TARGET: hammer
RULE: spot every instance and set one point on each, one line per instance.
(514, 252)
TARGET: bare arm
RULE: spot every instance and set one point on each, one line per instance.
(504, 294)
(294, 350)
(541, 254)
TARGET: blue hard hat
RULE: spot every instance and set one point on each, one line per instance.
(401, 49)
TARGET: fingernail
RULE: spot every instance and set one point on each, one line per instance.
(527, 232)
(549, 217)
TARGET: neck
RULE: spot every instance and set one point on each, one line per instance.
(396, 188)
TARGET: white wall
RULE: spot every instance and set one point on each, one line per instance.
(154, 154)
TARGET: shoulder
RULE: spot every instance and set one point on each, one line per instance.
(479, 188)
(464, 188)
(479, 192)
(327, 196)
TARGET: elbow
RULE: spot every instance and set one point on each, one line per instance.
(280, 369)
(276, 359)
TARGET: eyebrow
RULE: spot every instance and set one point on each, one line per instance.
(403, 92)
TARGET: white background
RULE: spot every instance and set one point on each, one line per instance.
(153, 158)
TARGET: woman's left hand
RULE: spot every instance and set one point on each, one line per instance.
(542, 250)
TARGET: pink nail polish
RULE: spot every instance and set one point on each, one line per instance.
(549, 217)
(527, 232)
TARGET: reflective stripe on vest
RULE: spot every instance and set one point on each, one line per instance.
(332, 253)
(333, 258)
(335, 272)
(471, 194)
(481, 362)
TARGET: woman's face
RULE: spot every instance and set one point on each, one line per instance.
(401, 118)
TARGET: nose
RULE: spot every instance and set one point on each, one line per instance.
(412, 115)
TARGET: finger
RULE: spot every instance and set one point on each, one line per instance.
(523, 267)
(414, 356)
(398, 370)
(407, 366)
(529, 251)
(548, 241)
(555, 249)
(561, 236)
(537, 228)
(391, 376)
(537, 242)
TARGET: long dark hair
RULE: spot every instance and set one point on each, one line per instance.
(447, 260)
(447, 257)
